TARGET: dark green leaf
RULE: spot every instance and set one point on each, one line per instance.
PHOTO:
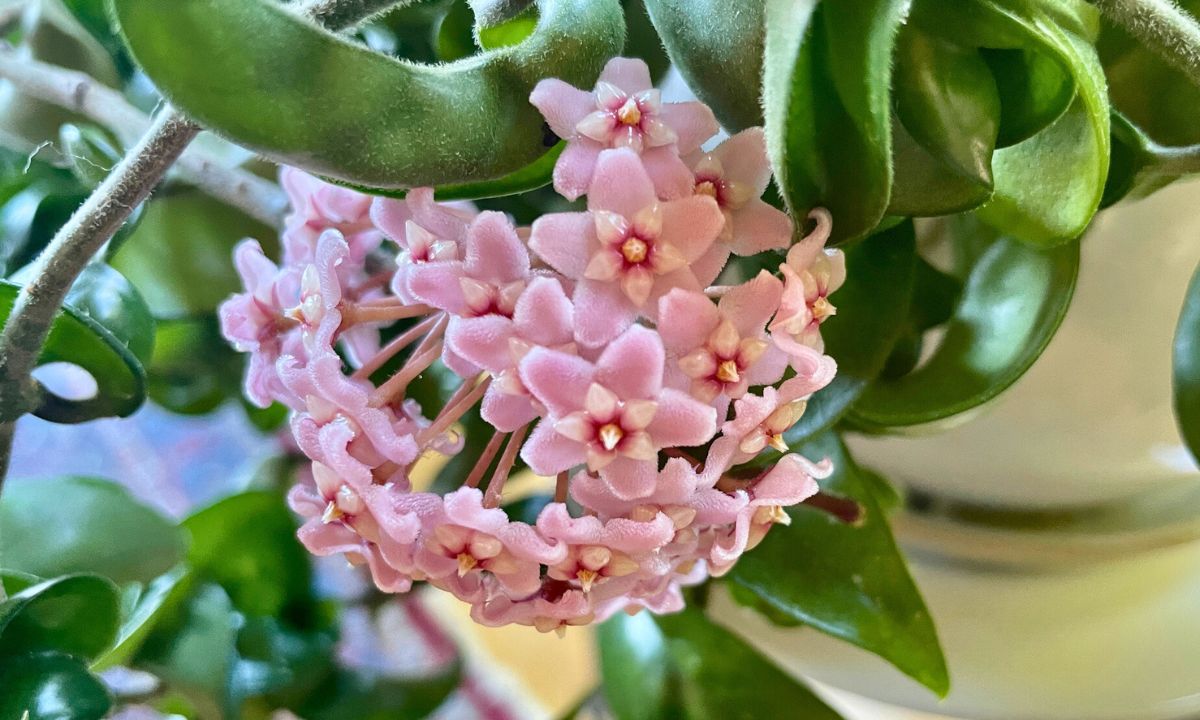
(1034, 91)
(106, 296)
(1139, 166)
(50, 686)
(723, 677)
(31, 217)
(719, 51)
(74, 614)
(948, 106)
(1155, 96)
(78, 339)
(1011, 306)
(1186, 366)
(641, 40)
(827, 107)
(247, 544)
(64, 525)
(849, 581)
(181, 255)
(873, 307)
(280, 75)
(634, 666)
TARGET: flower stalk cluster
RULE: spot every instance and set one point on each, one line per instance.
(598, 346)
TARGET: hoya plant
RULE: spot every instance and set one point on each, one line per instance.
(434, 248)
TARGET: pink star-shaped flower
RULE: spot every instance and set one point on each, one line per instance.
(613, 415)
(735, 174)
(426, 231)
(810, 274)
(318, 206)
(628, 250)
(623, 111)
(719, 350)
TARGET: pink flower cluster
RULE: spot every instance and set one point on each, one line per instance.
(596, 344)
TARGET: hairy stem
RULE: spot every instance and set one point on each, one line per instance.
(93, 224)
(1162, 26)
(75, 91)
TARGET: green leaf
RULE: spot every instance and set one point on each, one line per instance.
(347, 695)
(1186, 368)
(106, 296)
(1152, 94)
(148, 607)
(1013, 302)
(50, 686)
(180, 257)
(73, 614)
(30, 218)
(531, 177)
(949, 113)
(873, 307)
(1048, 187)
(718, 51)
(856, 587)
(247, 544)
(508, 32)
(634, 666)
(1140, 166)
(194, 369)
(1034, 91)
(78, 339)
(63, 525)
(428, 125)
(723, 677)
(91, 152)
(827, 107)
(642, 40)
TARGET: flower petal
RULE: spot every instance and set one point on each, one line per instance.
(574, 169)
(693, 122)
(562, 105)
(548, 452)
(630, 74)
(560, 381)
(671, 177)
(757, 227)
(602, 312)
(564, 241)
(620, 184)
(632, 366)
(744, 159)
(682, 421)
(691, 225)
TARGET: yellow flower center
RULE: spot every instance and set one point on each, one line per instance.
(610, 434)
(634, 250)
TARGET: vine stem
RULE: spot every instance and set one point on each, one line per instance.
(93, 224)
(75, 91)
(1163, 27)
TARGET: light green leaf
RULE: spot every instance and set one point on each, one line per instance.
(633, 666)
(307, 97)
(57, 526)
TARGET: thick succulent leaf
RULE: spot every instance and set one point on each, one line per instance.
(827, 107)
(634, 666)
(73, 614)
(719, 51)
(78, 339)
(1011, 305)
(280, 85)
(873, 307)
(1034, 91)
(50, 686)
(56, 526)
(857, 586)
(1140, 166)
(1152, 94)
(1186, 366)
(949, 114)
(723, 677)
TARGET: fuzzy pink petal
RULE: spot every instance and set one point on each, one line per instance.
(757, 227)
(671, 177)
(621, 184)
(562, 105)
(632, 536)
(602, 312)
(681, 279)
(494, 252)
(693, 122)
(630, 479)
(437, 284)
(458, 364)
(506, 412)
(564, 241)
(630, 74)
(751, 304)
(769, 368)
(744, 159)
(685, 320)
(390, 216)
(574, 169)
(544, 314)
(548, 452)
(482, 340)
(682, 421)
(592, 493)
(787, 483)
(445, 222)
(813, 372)
(691, 225)
(560, 381)
(632, 366)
